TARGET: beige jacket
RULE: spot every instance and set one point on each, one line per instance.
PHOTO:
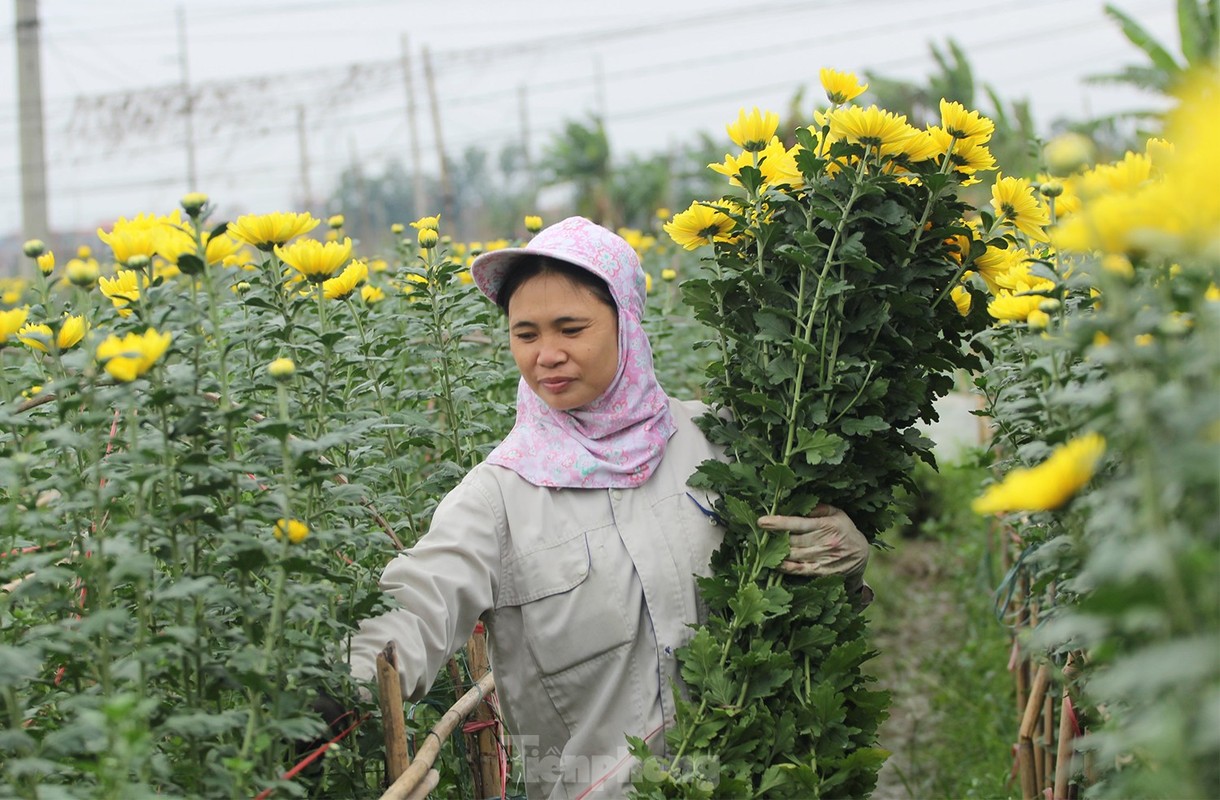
(586, 593)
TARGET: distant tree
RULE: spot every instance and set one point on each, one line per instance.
(1199, 38)
(1014, 143)
(580, 156)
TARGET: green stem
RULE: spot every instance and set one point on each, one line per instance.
(806, 334)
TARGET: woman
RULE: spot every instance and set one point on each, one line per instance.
(577, 541)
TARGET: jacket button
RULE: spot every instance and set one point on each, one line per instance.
(615, 494)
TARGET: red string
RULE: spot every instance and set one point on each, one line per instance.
(1071, 712)
(478, 725)
(317, 753)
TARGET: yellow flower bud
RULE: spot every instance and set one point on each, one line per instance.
(669, 274)
(46, 263)
(1067, 153)
(397, 228)
(282, 369)
(294, 529)
(428, 238)
(1038, 320)
(533, 223)
(1051, 188)
(335, 221)
(81, 272)
(193, 203)
(427, 223)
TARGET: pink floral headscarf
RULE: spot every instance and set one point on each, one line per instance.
(618, 439)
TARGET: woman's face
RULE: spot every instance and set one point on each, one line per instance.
(564, 340)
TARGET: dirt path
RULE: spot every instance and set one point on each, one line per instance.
(908, 619)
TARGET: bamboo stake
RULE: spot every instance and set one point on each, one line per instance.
(1025, 753)
(428, 784)
(487, 777)
(1049, 743)
(1067, 735)
(393, 724)
(425, 756)
(1063, 766)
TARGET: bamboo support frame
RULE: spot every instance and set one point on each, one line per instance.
(416, 775)
(1026, 754)
(483, 742)
(394, 727)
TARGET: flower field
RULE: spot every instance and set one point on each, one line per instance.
(214, 434)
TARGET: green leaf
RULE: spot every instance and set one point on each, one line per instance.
(862, 427)
(819, 446)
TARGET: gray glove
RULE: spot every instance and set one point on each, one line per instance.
(826, 542)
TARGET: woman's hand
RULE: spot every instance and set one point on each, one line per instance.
(826, 542)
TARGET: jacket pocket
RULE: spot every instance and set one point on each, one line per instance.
(568, 603)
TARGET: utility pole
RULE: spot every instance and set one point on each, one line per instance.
(599, 86)
(303, 151)
(188, 104)
(447, 196)
(531, 185)
(417, 175)
(29, 109)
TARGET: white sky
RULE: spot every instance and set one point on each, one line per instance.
(658, 71)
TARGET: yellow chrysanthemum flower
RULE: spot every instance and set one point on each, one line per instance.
(294, 529)
(699, 225)
(123, 289)
(752, 131)
(1016, 203)
(371, 294)
(841, 87)
(1010, 307)
(46, 263)
(533, 223)
(1127, 175)
(731, 167)
(427, 223)
(961, 299)
(131, 239)
(1048, 485)
(267, 231)
(995, 262)
(133, 355)
(335, 221)
(219, 249)
(343, 284)
(778, 165)
(967, 156)
(11, 321)
(1159, 151)
(962, 124)
(916, 146)
(315, 261)
(282, 369)
(71, 331)
(669, 274)
(871, 127)
(427, 238)
(12, 290)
